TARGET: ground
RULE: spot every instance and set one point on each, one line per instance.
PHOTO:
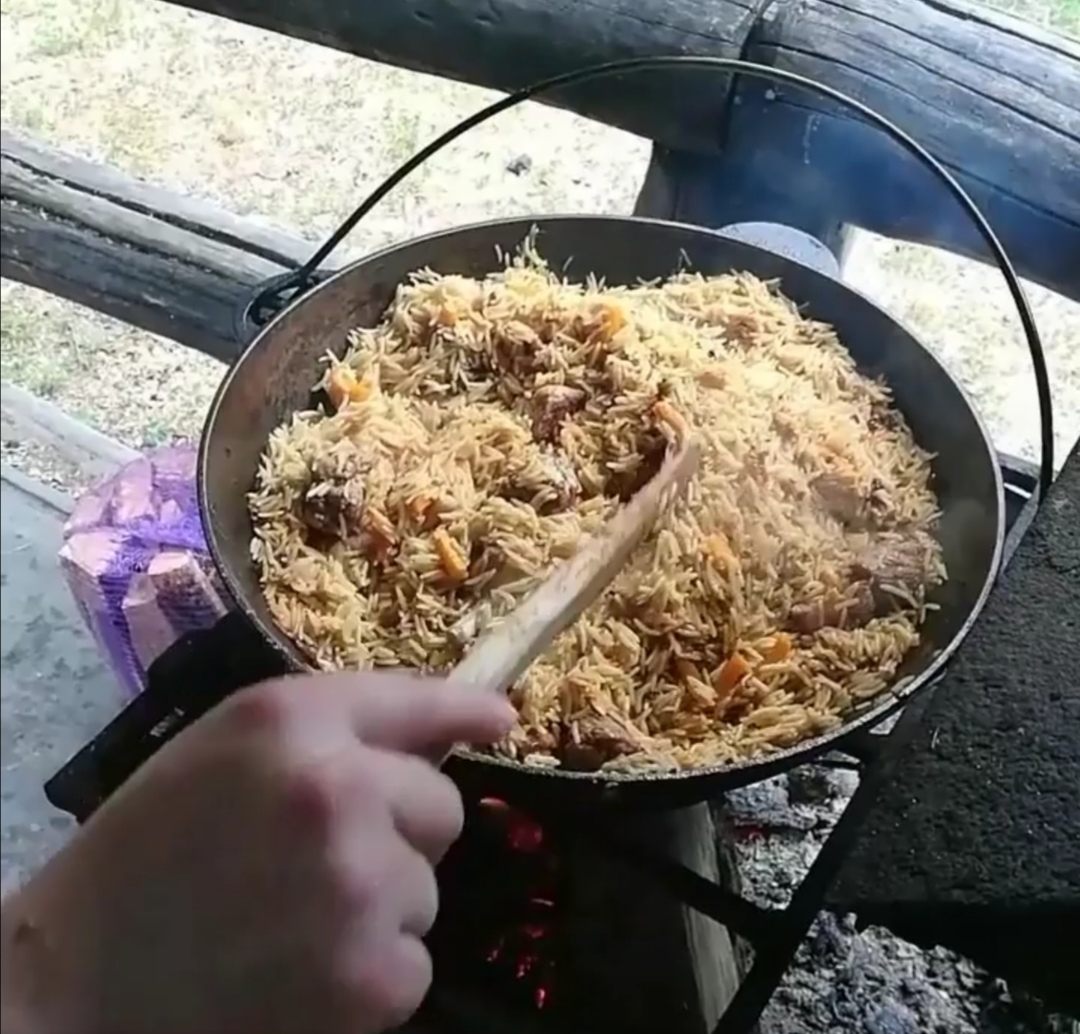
(295, 134)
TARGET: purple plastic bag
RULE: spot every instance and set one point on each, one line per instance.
(135, 559)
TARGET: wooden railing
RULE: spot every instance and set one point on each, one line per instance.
(173, 265)
(997, 100)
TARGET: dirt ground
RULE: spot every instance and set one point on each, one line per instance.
(294, 134)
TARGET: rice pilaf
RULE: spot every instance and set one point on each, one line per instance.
(486, 427)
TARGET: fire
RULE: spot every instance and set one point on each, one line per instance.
(522, 833)
(526, 950)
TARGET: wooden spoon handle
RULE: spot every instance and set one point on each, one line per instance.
(501, 656)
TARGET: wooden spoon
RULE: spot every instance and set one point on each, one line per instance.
(501, 656)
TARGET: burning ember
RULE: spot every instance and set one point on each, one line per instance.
(524, 948)
(498, 923)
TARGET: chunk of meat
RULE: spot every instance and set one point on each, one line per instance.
(551, 405)
(880, 510)
(515, 350)
(626, 484)
(881, 579)
(884, 417)
(851, 506)
(424, 512)
(741, 329)
(900, 564)
(713, 377)
(600, 739)
(378, 539)
(809, 617)
(550, 484)
(840, 497)
(489, 568)
(334, 506)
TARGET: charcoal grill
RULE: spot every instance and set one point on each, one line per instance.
(472, 992)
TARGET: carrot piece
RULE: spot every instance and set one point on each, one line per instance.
(339, 385)
(613, 320)
(342, 386)
(719, 550)
(451, 558)
(362, 390)
(666, 413)
(780, 649)
(731, 673)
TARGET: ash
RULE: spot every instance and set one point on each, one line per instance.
(843, 981)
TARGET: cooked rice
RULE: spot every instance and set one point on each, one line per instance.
(740, 625)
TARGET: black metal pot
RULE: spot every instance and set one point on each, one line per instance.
(273, 378)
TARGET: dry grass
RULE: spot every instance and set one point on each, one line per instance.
(294, 133)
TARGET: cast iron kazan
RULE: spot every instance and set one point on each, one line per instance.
(274, 377)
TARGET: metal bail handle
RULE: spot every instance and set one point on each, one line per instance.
(267, 299)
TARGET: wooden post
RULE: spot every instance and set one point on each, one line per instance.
(624, 923)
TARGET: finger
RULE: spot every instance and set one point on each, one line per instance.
(425, 804)
(417, 892)
(388, 982)
(407, 712)
(374, 874)
(387, 882)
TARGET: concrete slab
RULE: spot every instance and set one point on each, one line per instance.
(974, 843)
(56, 691)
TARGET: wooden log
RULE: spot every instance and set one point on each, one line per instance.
(599, 912)
(508, 44)
(27, 418)
(622, 916)
(173, 265)
(996, 99)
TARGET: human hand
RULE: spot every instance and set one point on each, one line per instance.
(269, 870)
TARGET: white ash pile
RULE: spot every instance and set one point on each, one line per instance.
(843, 981)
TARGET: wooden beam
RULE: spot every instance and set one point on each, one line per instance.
(27, 418)
(508, 44)
(53, 498)
(169, 264)
(996, 102)
(995, 99)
